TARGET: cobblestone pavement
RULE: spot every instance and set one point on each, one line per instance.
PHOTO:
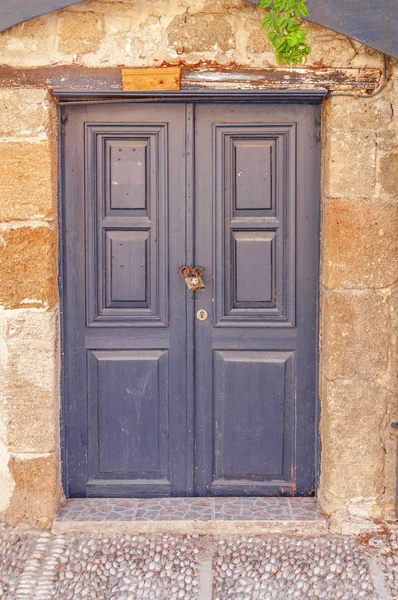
(37, 565)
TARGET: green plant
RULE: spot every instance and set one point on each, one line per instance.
(286, 31)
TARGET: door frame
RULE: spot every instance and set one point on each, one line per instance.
(70, 97)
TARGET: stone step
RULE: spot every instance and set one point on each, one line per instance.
(203, 516)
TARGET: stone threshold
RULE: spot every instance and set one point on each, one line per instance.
(204, 516)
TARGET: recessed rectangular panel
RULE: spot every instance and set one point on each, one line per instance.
(255, 228)
(127, 268)
(253, 268)
(126, 224)
(128, 174)
(253, 174)
(254, 415)
(128, 404)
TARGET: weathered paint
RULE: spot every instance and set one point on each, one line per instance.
(141, 429)
(74, 77)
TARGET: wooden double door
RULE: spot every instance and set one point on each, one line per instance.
(159, 402)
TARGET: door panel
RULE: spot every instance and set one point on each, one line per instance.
(128, 414)
(126, 169)
(125, 308)
(253, 198)
(252, 164)
(252, 269)
(253, 416)
(255, 399)
(158, 403)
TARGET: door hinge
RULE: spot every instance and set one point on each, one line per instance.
(64, 117)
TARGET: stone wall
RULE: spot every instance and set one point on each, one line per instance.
(137, 33)
(359, 305)
(359, 365)
(29, 360)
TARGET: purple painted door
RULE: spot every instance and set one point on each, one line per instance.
(158, 401)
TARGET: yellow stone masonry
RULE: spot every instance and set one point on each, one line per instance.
(359, 266)
(26, 181)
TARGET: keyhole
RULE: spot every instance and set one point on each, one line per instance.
(202, 315)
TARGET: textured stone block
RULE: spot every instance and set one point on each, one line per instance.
(24, 113)
(6, 482)
(387, 139)
(37, 491)
(388, 176)
(200, 33)
(328, 48)
(27, 190)
(29, 42)
(350, 165)
(357, 113)
(360, 244)
(352, 447)
(102, 6)
(29, 375)
(28, 267)
(392, 382)
(355, 335)
(258, 42)
(79, 33)
(228, 4)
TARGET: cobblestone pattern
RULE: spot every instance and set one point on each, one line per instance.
(265, 568)
(40, 566)
(16, 547)
(127, 567)
(202, 509)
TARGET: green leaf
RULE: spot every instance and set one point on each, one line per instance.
(283, 23)
(285, 29)
(265, 3)
(267, 21)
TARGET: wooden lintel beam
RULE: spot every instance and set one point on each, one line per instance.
(91, 79)
(62, 77)
(279, 78)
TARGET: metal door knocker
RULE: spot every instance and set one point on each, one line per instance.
(193, 277)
